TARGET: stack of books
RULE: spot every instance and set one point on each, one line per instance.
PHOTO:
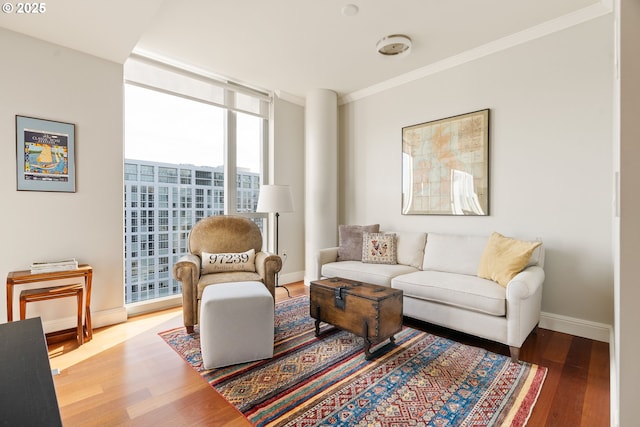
(47, 267)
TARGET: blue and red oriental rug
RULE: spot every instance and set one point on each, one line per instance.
(423, 380)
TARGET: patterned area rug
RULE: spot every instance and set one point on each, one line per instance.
(422, 380)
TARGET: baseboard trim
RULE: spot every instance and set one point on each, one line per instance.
(578, 327)
(296, 276)
(152, 305)
(109, 317)
(98, 320)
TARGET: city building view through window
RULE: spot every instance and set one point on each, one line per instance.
(176, 150)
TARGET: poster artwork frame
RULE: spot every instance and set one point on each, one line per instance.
(445, 166)
(45, 155)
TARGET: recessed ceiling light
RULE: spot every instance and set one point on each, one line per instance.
(394, 45)
(350, 10)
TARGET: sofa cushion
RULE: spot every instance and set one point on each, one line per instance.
(453, 253)
(410, 247)
(464, 291)
(350, 240)
(226, 277)
(378, 274)
(504, 257)
(379, 248)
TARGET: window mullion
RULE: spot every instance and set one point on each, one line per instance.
(230, 167)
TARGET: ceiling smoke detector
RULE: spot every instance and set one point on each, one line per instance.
(350, 10)
(394, 45)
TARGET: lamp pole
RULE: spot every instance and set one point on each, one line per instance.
(277, 232)
(273, 199)
(278, 253)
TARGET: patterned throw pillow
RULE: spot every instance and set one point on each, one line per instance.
(219, 263)
(379, 248)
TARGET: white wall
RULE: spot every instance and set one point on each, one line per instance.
(288, 169)
(626, 375)
(550, 156)
(43, 80)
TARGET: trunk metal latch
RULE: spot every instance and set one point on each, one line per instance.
(339, 297)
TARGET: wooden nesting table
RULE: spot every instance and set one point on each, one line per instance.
(84, 271)
(370, 311)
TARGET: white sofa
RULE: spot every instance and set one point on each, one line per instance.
(438, 276)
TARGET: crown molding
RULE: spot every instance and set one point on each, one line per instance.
(580, 16)
(286, 96)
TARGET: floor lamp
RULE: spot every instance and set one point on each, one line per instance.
(275, 199)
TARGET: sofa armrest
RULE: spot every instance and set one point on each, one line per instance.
(525, 284)
(324, 256)
(524, 300)
(187, 272)
(267, 266)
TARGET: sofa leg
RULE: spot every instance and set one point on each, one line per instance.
(515, 354)
(189, 329)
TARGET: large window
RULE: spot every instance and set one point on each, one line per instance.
(193, 148)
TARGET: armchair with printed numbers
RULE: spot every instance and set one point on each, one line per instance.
(222, 249)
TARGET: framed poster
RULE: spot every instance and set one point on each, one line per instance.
(445, 166)
(45, 155)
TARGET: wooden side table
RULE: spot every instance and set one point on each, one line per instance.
(25, 276)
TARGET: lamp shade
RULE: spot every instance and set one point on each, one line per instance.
(275, 198)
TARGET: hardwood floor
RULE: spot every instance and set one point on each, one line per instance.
(128, 376)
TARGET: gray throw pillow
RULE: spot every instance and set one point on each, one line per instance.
(350, 240)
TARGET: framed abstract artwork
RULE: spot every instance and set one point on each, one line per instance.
(445, 166)
(45, 155)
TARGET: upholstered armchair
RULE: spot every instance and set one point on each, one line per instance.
(222, 249)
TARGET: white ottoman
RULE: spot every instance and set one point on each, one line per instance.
(236, 323)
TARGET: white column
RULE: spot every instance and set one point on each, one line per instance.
(321, 176)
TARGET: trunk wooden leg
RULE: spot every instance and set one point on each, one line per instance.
(317, 322)
(189, 329)
(367, 350)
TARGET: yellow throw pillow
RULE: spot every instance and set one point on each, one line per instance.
(504, 257)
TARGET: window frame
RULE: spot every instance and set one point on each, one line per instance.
(230, 171)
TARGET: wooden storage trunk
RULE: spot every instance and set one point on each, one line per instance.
(370, 311)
